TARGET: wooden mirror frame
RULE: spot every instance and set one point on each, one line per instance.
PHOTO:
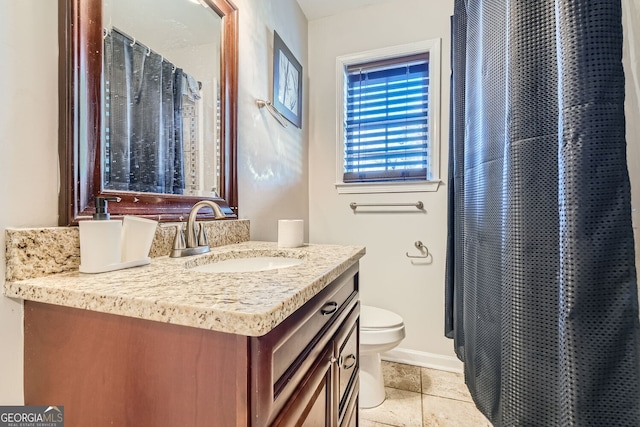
(80, 32)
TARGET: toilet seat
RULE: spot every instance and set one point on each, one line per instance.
(374, 318)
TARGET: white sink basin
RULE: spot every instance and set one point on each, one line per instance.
(243, 265)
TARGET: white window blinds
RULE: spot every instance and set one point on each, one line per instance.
(386, 120)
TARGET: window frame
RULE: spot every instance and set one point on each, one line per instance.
(433, 48)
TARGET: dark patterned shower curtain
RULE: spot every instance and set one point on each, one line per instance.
(143, 121)
(541, 291)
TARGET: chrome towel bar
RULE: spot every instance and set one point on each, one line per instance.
(419, 205)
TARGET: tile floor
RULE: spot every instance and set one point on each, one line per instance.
(421, 397)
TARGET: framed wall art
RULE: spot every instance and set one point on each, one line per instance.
(287, 82)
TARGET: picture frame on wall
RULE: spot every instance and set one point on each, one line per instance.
(287, 82)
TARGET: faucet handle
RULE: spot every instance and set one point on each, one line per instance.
(179, 240)
(203, 240)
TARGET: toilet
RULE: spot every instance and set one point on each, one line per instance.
(380, 331)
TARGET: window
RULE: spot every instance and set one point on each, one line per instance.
(388, 119)
(386, 126)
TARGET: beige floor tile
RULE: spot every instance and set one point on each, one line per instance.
(442, 412)
(368, 423)
(401, 408)
(401, 376)
(444, 384)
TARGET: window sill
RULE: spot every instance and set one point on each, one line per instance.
(387, 187)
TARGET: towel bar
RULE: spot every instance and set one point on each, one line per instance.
(418, 205)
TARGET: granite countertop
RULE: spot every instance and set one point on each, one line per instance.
(167, 291)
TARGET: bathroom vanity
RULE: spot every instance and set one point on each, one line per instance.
(166, 345)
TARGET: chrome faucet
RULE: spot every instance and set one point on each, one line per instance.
(196, 241)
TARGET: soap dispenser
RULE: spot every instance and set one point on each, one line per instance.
(100, 240)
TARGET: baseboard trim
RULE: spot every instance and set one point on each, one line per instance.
(424, 359)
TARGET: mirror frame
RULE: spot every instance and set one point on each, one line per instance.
(80, 32)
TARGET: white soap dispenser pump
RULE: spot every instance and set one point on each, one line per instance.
(101, 240)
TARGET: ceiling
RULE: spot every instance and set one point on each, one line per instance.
(314, 9)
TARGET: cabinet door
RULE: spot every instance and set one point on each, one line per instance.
(347, 365)
(312, 404)
(351, 416)
(347, 357)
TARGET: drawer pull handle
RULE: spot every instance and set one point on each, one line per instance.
(329, 308)
(348, 361)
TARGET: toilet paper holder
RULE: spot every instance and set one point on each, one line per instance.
(424, 251)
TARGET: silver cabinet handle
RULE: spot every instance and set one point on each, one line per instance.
(348, 362)
(329, 308)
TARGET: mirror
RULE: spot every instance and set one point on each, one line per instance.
(161, 86)
(148, 106)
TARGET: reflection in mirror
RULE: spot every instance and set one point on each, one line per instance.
(161, 97)
(148, 106)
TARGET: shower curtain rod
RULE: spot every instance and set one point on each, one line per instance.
(134, 41)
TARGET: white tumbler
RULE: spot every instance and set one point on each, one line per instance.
(137, 237)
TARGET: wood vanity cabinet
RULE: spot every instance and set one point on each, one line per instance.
(114, 370)
(327, 394)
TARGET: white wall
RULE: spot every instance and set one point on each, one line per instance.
(388, 278)
(28, 151)
(272, 160)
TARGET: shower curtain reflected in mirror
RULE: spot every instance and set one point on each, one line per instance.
(143, 131)
(541, 292)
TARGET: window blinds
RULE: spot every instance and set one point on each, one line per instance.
(386, 120)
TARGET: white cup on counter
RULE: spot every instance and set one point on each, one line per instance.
(137, 236)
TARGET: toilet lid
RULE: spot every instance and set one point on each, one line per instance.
(378, 318)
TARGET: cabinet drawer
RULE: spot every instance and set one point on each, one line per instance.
(322, 313)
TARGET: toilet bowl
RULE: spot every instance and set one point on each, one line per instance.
(380, 331)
